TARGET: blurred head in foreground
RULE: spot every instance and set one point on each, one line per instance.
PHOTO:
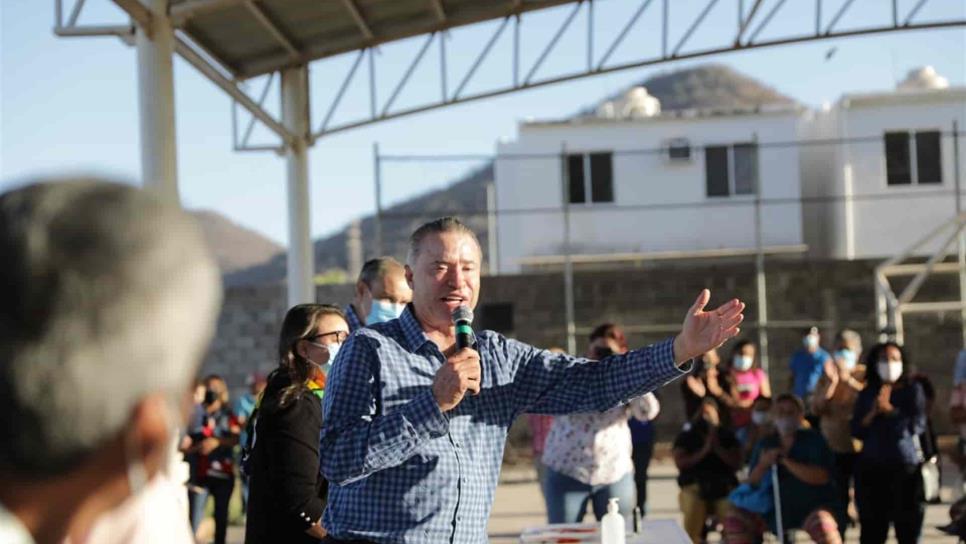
(108, 299)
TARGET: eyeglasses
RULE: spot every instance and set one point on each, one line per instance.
(340, 336)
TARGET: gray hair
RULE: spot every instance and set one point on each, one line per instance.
(848, 337)
(438, 226)
(376, 269)
(109, 295)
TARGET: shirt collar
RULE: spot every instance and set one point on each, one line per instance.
(12, 530)
(412, 331)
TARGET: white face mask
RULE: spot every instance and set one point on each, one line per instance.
(384, 310)
(333, 350)
(848, 358)
(137, 474)
(154, 514)
(742, 362)
(787, 425)
(810, 341)
(889, 371)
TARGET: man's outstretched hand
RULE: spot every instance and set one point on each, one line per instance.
(705, 330)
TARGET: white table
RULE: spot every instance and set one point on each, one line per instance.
(653, 531)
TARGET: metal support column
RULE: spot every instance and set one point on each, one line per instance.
(962, 231)
(569, 310)
(491, 230)
(762, 292)
(377, 180)
(295, 117)
(155, 49)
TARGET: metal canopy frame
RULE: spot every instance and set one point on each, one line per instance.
(891, 307)
(597, 66)
(194, 30)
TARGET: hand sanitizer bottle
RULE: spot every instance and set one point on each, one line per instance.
(612, 530)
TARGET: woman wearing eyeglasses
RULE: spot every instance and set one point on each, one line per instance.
(287, 493)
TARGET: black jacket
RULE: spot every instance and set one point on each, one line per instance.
(286, 491)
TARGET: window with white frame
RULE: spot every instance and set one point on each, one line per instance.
(913, 158)
(590, 178)
(731, 169)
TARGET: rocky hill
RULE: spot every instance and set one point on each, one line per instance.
(235, 247)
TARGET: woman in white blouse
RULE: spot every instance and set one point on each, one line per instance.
(588, 456)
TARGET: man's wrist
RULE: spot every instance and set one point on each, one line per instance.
(680, 355)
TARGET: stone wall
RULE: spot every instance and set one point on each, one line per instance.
(650, 303)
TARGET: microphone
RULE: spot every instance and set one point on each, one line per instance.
(462, 318)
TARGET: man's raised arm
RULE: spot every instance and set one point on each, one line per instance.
(560, 384)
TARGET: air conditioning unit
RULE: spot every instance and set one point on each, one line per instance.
(677, 150)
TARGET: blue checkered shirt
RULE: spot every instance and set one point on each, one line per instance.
(352, 318)
(400, 470)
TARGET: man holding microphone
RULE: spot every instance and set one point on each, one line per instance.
(415, 428)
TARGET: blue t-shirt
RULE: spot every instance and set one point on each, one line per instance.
(807, 369)
(244, 406)
(959, 374)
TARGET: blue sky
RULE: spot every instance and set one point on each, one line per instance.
(70, 105)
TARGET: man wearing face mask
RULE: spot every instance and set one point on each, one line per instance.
(381, 293)
(889, 416)
(807, 490)
(807, 365)
(109, 298)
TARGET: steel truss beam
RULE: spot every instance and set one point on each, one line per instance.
(889, 307)
(771, 14)
(180, 13)
(225, 77)
(758, 18)
(232, 89)
(353, 9)
(195, 54)
(273, 29)
(71, 29)
(438, 10)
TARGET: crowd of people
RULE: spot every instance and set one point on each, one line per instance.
(378, 425)
(844, 446)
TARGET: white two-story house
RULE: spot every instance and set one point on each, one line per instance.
(880, 173)
(638, 184)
